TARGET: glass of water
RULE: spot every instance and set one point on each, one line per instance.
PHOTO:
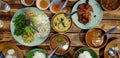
(4, 7)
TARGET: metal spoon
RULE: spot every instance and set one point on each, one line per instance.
(29, 23)
(117, 49)
(69, 15)
(108, 32)
(111, 52)
(50, 55)
(2, 55)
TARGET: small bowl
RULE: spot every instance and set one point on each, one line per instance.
(42, 2)
(110, 5)
(81, 50)
(25, 4)
(58, 25)
(63, 43)
(92, 36)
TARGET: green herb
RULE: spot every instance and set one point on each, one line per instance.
(20, 24)
(21, 28)
(61, 42)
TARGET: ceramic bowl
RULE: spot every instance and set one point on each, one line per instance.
(93, 38)
(62, 42)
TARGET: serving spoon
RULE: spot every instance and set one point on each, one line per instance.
(29, 23)
(69, 15)
(117, 49)
(111, 52)
(65, 47)
(50, 55)
(108, 32)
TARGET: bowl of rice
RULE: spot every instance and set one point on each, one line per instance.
(85, 52)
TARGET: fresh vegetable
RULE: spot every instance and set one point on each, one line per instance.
(29, 29)
(20, 24)
(61, 42)
(22, 29)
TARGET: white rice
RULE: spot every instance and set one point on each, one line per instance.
(39, 55)
(85, 54)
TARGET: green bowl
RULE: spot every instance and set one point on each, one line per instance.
(81, 50)
(31, 53)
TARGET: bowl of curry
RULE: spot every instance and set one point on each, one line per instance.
(61, 23)
(62, 42)
(93, 38)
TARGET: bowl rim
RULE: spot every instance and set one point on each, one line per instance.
(103, 44)
(53, 27)
(66, 38)
(25, 4)
(108, 9)
(83, 48)
(38, 1)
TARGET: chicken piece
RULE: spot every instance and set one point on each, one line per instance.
(84, 15)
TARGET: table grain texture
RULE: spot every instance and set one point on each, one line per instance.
(76, 35)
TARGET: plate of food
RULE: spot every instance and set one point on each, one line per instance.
(85, 52)
(10, 51)
(37, 53)
(89, 16)
(26, 34)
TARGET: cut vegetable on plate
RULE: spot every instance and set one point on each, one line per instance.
(26, 34)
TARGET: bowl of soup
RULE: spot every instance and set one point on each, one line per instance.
(42, 4)
(61, 23)
(93, 38)
(62, 42)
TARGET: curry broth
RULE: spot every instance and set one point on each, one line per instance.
(54, 43)
(93, 35)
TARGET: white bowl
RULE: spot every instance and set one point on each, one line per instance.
(38, 4)
(23, 2)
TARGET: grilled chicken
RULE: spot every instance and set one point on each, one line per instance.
(84, 15)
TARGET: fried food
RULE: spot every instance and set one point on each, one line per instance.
(84, 16)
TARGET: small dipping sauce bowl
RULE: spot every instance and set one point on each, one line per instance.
(27, 2)
(42, 4)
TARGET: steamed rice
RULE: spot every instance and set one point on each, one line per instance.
(85, 54)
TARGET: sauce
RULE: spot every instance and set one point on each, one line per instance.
(29, 2)
(44, 4)
(61, 23)
(54, 43)
(56, 7)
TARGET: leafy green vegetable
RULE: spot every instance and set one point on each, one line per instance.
(61, 42)
(20, 24)
(21, 27)
(29, 29)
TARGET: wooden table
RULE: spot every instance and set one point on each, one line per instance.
(75, 34)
